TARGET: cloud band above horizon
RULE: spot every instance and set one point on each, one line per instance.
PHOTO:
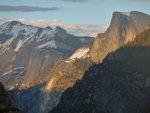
(76, 29)
(26, 8)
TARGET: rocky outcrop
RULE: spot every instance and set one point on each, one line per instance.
(64, 75)
(67, 71)
(5, 103)
(123, 28)
(121, 84)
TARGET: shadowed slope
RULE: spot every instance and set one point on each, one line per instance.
(121, 84)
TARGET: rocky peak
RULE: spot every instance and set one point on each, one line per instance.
(9, 25)
(60, 29)
(14, 23)
(48, 27)
(15, 28)
(123, 28)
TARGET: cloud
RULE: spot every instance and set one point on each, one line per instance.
(76, 29)
(26, 8)
(2, 19)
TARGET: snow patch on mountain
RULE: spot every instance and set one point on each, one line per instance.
(3, 27)
(6, 73)
(15, 31)
(19, 45)
(14, 69)
(50, 44)
(8, 42)
(47, 32)
(21, 42)
(17, 28)
(27, 30)
(10, 71)
(80, 53)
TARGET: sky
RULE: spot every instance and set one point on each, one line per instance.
(79, 17)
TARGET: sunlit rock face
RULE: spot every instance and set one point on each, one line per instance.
(65, 72)
(123, 28)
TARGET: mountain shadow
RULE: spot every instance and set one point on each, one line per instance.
(34, 99)
(5, 103)
(121, 84)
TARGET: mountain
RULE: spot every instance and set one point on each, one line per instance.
(68, 71)
(27, 53)
(63, 74)
(123, 28)
(44, 97)
(5, 103)
(120, 84)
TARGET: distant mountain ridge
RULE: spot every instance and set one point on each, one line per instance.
(27, 54)
(123, 28)
(31, 52)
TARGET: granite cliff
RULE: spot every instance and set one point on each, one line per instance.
(123, 28)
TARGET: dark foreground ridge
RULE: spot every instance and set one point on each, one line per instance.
(5, 103)
(121, 84)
